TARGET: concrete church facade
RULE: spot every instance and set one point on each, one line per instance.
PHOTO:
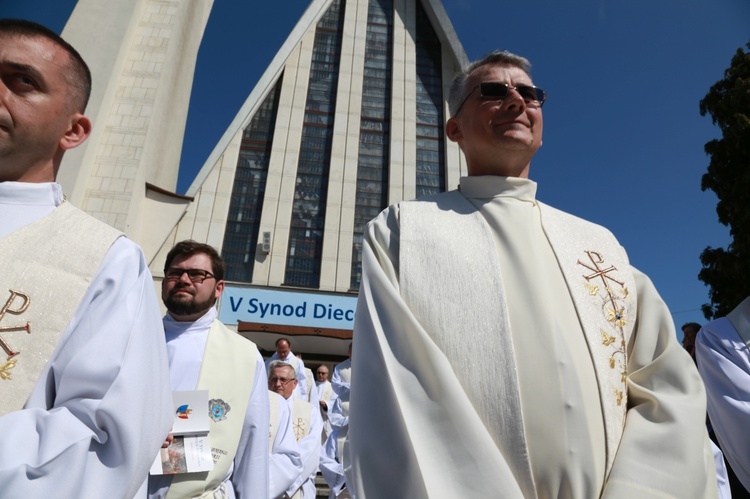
(347, 119)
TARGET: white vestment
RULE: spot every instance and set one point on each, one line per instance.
(721, 349)
(101, 408)
(331, 468)
(440, 439)
(323, 392)
(299, 368)
(285, 461)
(309, 383)
(309, 447)
(186, 344)
(338, 415)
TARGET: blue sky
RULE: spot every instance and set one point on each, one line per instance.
(623, 137)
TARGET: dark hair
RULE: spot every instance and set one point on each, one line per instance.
(694, 326)
(79, 75)
(189, 248)
(283, 339)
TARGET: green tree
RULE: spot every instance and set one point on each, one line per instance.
(727, 271)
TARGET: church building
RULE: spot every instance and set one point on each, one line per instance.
(347, 119)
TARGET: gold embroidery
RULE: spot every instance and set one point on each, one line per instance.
(593, 289)
(617, 316)
(607, 340)
(5, 369)
(613, 306)
(4, 374)
(619, 395)
(299, 429)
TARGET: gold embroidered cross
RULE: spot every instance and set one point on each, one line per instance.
(596, 259)
(299, 428)
(15, 311)
(598, 271)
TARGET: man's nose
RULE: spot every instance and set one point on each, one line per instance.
(514, 99)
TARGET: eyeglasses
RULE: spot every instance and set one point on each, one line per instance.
(283, 381)
(195, 275)
(322, 372)
(495, 90)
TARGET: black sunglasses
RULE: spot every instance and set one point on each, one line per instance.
(495, 90)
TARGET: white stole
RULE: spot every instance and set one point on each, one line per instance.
(273, 425)
(301, 419)
(45, 269)
(228, 373)
(435, 268)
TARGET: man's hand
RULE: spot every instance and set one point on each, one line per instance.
(168, 441)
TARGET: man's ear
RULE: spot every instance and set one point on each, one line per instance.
(78, 131)
(219, 289)
(453, 130)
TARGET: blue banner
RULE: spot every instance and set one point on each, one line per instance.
(286, 308)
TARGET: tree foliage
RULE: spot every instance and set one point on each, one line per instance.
(727, 271)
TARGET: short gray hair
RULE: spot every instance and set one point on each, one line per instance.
(280, 363)
(497, 57)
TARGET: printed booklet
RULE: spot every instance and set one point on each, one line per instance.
(190, 451)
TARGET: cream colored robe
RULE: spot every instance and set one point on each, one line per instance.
(416, 431)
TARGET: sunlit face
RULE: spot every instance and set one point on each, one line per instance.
(281, 380)
(322, 374)
(38, 120)
(498, 137)
(187, 300)
(282, 349)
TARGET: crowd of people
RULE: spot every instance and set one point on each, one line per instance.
(524, 359)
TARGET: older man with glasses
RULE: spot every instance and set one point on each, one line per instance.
(306, 425)
(205, 355)
(508, 349)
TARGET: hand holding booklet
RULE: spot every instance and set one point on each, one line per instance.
(190, 451)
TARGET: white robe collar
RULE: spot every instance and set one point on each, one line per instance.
(22, 203)
(173, 328)
(487, 187)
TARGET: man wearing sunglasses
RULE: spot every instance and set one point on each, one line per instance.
(517, 353)
(205, 355)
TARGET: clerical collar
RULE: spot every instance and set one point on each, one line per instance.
(31, 194)
(490, 186)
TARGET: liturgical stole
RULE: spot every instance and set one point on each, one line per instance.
(447, 253)
(228, 373)
(45, 269)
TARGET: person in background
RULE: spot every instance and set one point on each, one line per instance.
(306, 424)
(205, 355)
(284, 353)
(723, 357)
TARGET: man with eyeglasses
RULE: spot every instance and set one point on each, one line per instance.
(84, 393)
(284, 353)
(508, 349)
(306, 424)
(205, 355)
